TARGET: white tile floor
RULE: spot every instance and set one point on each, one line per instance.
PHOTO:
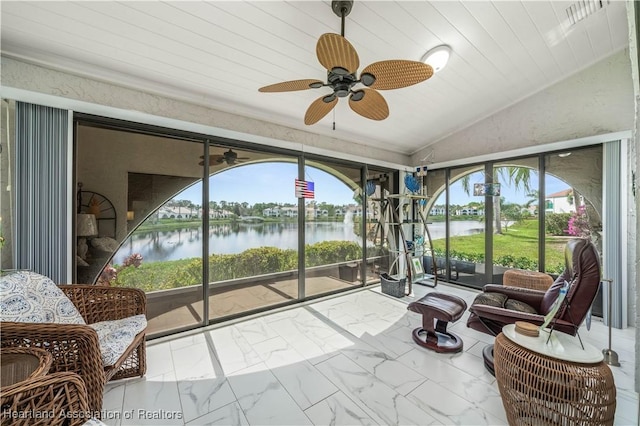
(346, 360)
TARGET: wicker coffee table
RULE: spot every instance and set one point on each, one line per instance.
(552, 382)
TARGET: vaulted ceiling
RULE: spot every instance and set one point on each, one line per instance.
(219, 53)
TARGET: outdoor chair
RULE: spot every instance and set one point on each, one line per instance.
(97, 332)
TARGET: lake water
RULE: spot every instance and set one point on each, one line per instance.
(235, 238)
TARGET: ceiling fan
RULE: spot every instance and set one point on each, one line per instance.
(341, 60)
(229, 157)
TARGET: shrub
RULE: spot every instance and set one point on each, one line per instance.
(557, 223)
(256, 261)
(326, 252)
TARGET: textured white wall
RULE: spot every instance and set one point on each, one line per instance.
(21, 75)
(634, 164)
(594, 101)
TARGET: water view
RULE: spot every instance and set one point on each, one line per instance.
(235, 238)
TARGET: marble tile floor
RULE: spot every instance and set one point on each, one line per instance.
(345, 360)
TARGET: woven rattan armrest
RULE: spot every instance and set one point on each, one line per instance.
(73, 347)
(101, 303)
(50, 400)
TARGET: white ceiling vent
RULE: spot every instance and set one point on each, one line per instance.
(583, 8)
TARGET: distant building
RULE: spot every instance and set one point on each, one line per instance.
(437, 211)
(560, 202)
(166, 212)
(271, 212)
(468, 211)
(289, 211)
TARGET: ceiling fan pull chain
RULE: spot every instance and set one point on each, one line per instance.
(334, 119)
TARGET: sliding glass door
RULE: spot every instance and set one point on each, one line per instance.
(515, 237)
(333, 223)
(573, 204)
(521, 212)
(140, 196)
(253, 231)
(466, 222)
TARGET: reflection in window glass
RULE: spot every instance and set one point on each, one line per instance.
(143, 178)
(7, 195)
(573, 201)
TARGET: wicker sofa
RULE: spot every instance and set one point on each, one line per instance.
(76, 347)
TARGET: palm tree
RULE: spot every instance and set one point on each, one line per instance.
(518, 176)
(534, 196)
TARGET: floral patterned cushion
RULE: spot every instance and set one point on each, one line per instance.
(116, 336)
(30, 297)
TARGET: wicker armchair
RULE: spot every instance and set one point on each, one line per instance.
(75, 348)
(49, 400)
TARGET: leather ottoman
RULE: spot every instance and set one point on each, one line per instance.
(443, 309)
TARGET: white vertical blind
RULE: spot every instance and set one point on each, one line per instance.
(42, 201)
(611, 246)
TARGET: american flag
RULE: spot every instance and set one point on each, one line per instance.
(304, 189)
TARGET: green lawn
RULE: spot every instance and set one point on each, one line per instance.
(518, 241)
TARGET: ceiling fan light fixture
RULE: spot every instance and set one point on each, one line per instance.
(367, 79)
(329, 98)
(357, 95)
(437, 57)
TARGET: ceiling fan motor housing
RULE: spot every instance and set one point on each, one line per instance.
(341, 83)
(342, 7)
(341, 61)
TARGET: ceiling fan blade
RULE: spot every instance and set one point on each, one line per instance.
(333, 51)
(397, 73)
(372, 105)
(318, 109)
(290, 86)
(212, 162)
(211, 156)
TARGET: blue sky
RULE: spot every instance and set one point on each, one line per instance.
(267, 183)
(509, 192)
(274, 182)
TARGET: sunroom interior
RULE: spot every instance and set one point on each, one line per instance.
(193, 196)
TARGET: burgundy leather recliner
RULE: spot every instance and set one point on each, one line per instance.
(582, 271)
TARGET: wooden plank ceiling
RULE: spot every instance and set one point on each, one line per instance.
(219, 53)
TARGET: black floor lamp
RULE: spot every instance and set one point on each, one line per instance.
(610, 356)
